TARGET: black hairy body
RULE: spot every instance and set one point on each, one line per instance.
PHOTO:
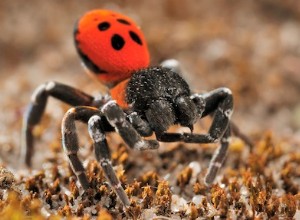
(162, 97)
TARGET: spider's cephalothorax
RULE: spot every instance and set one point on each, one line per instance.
(157, 91)
(142, 100)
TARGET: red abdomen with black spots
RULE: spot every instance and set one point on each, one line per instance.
(110, 45)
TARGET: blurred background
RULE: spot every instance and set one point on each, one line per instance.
(252, 48)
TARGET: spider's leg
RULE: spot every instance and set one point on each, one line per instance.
(219, 101)
(37, 106)
(218, 158)
(103, 156)
(236, 131)
(92, 116)
(70, 139)
(172, 64)
(117, 118)
(201, 101)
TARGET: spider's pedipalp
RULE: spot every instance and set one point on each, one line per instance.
(117, 118)
(199, 101)
(141, 125)
(186, 111)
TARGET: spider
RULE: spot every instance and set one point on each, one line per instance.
(143, 100)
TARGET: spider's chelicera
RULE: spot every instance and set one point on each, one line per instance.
(151, 100)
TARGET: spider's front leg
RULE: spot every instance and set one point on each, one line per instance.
(37, 106)
(70, 140)
(97, 122)
(97, 128)
(102, 154)
(219, 101)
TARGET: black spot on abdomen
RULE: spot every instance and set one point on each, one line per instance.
(123, 21)
(135, 38)
(103, 26)
(117, 42)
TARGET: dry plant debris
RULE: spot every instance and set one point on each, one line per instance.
(264, 185)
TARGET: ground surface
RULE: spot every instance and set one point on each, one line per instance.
(254, 49)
